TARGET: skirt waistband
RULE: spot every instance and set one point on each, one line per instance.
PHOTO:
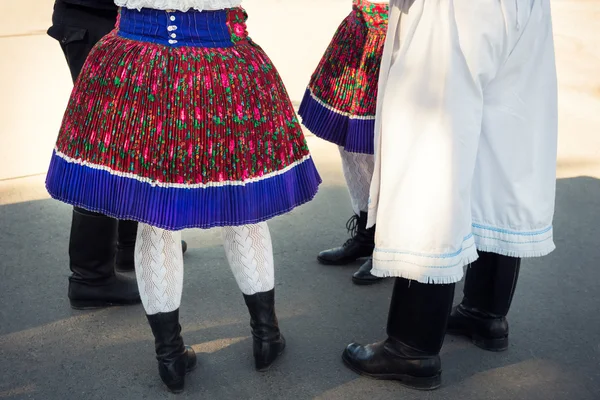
(211, 29)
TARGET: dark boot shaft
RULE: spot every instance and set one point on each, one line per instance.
(268, 343)
(174, 359)
(418, 315)
(263, 319)
(489, 289)
(364, 235)
(127, 234)
(167, 335)
(490, 283)
(92, 247)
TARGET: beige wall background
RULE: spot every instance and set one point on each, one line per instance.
(35, 83)
(34, 86)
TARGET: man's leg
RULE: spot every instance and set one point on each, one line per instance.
(92, 244)
(78, 29)
(430, 117)
(159, 271)
(249, 251)
(126, 235)
(416, 328)
(515, 176)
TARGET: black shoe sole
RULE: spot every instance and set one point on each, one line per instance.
(412, 382)
(495, 345)
(175, 390)
(267, 367)
(365, 282)
(325, 261)
(98, 304)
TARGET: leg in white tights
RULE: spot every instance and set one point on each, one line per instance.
(250, 254)
(159, 268)
(358, 171)
(159, 263)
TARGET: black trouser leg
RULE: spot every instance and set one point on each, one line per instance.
(78, 29)
(126, 235)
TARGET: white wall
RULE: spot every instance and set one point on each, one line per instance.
(34, 86)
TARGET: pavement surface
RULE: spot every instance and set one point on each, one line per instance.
(50, 352)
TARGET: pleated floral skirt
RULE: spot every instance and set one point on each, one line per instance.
(340, 101)
(179, 120)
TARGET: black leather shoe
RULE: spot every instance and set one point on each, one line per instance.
(268, 342)
(360, 245)
(416, 326)
(389, 361)
(363, 276)
(485, 331)
(113, 291)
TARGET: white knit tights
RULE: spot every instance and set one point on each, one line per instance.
(159, 263)
(358, 171)
(159, 268)
(250, 254)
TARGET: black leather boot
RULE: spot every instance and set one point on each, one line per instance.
(92, 247)
(126, 237)
(364, 276)
(360, 245)
(268, 343)
(489, 289)
(175, 359)
(416, 328)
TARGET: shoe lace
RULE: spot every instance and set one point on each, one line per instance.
(352, 227)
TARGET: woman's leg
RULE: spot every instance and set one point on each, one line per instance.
(250, 254)
(159, 271)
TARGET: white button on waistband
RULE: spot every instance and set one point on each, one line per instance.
(172, 28)
(173, 35)
(172, 18)
(171, 41)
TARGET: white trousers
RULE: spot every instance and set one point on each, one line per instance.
(466, 136)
